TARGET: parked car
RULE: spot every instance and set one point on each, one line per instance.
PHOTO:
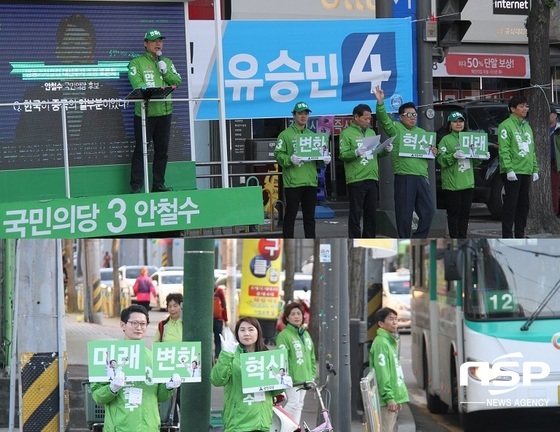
(167, 282)
(396, 295)
(302, 287)
(106, 277)
(480, 116)
(128, 275)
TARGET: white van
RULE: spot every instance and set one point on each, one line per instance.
(396, 295)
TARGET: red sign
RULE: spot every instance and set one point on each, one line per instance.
(486, 65)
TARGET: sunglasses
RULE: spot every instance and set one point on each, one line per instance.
(410, 115)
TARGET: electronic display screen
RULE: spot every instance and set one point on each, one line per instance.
(78, 52)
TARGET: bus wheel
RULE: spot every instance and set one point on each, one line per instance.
(472, 422)
(435, 405)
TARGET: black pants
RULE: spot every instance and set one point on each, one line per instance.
(413, 193)
(307, 196)
(218, 327)
(516, 205)
(158, 130)
(458, 204)
(362, 196)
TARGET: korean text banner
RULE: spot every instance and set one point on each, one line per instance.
(331, 65)
(261, 278)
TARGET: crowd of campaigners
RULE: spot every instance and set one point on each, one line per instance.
(412, 192)
(133, 406)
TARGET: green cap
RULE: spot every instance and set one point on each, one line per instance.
(153, 34)
(301, 106)
(455, 115)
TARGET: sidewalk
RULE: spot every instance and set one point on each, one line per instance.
(78, 334)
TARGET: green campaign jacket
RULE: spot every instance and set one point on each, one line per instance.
(121, 417)
(384, 359)
(301, 353)
(241, 413)
(294, 176)
(143, 71)
(516, 147)
(357, 168)
(401, 165)
(455, 174)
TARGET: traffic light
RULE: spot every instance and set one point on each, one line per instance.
(451, 28)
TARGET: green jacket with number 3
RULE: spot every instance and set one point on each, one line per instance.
(384, 359)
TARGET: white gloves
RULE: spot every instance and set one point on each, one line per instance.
(327, 159)
(174, 383)
(389, 148)
(459, 155)
(535, 176)
(162, 67)
(361, 151)
(296, 160)
(487, 155)
(511, 176)
(229, 344)
(118, 382)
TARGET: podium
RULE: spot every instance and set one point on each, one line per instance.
(146, 94)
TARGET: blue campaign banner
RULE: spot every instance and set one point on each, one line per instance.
(332, 65)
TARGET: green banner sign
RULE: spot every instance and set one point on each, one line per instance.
(106, 358)
(313, 147)
(265, 371)
(418, 144)
(181, 358)
(103, 216)
(474, 144)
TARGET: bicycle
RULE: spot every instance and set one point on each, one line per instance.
(282, 422)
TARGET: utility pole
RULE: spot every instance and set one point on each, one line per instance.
(92, 282)
(39, 306)
(334, 331)
(197, 326)
(386, 214)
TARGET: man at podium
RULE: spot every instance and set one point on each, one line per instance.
(146, 71)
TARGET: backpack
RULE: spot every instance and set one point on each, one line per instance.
(161, 325)
(219, 305)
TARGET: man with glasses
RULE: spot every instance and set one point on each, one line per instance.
(411, 184)
(518, 167)
(362, 173)
(384, 359)
(133, 406)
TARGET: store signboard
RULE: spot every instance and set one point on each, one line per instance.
(487, 65)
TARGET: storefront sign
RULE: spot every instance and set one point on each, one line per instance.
(487, 65)
(509, 7)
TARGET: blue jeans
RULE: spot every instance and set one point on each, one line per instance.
(413, 194)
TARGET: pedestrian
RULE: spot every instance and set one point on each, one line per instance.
(144, 289)
(554, 133)
(518, 167)
(146, 71)
(299, 177)
(362, 173)
(301, 356)
(242, 412)
(384, 359)
(411, 183)
(457, 177)
(220, 317)
(106, 260)
(133, 406)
